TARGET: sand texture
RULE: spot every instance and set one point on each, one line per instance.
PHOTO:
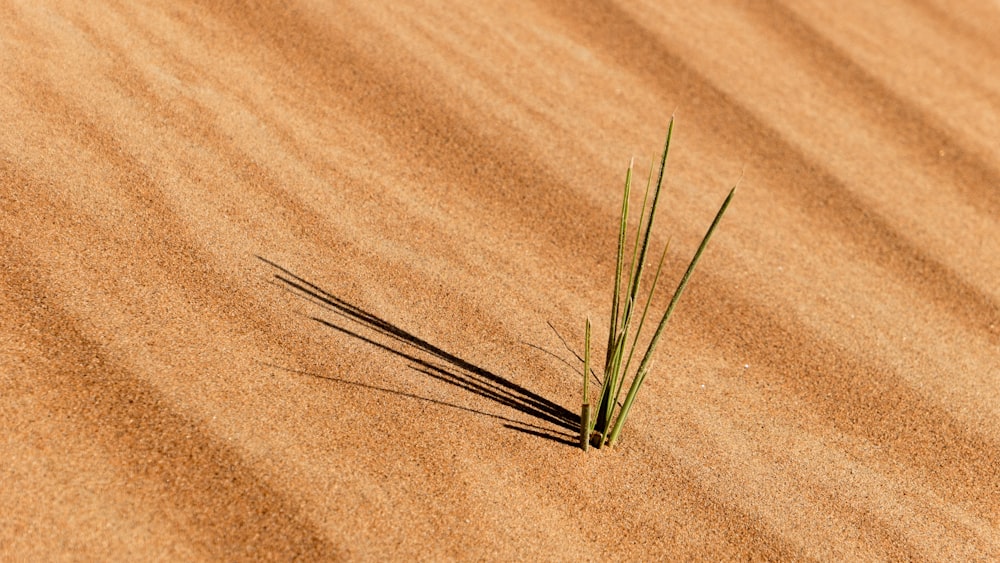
(276, 279)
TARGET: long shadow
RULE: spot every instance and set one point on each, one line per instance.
(518, 425)
(421, 354)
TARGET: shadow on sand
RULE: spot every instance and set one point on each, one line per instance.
(433, 362)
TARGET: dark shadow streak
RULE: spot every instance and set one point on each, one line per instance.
(558, 438)
(454, 370)
(518, 425)
(469, 384)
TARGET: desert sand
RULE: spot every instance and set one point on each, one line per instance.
(277, 279)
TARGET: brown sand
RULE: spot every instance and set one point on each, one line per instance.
(276, 281)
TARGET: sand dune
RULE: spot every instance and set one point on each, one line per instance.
(278, 277)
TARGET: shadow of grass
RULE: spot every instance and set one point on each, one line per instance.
(434, 362)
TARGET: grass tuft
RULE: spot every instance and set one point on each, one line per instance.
(623, 333)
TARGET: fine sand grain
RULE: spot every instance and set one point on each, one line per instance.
(276, 279)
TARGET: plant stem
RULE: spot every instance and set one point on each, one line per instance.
(585, 411)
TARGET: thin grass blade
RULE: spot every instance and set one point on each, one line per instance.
(603, 408)
(648, 356)
(608, 401)
(612, 379)
(638, 237)
(652, 214)
(585, 410)
(642, 321)
(640, 261)
(622, 227)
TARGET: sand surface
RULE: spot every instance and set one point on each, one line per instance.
(276, 279)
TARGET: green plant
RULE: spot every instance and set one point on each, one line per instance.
(619, 355)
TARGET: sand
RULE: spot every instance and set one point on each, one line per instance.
(278, 278)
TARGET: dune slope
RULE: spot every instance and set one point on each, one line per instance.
(278, 279)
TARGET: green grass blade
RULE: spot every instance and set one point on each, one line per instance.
(586, 363)
(585, 410)
(626, 318)
(604, 407)
(652, 214)
(648, 357)
(622, 228)
(612, 366)
(634, 274)
(611, 383)
(633, 391)
(642, 321)
(611, 390)
(639, 262)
